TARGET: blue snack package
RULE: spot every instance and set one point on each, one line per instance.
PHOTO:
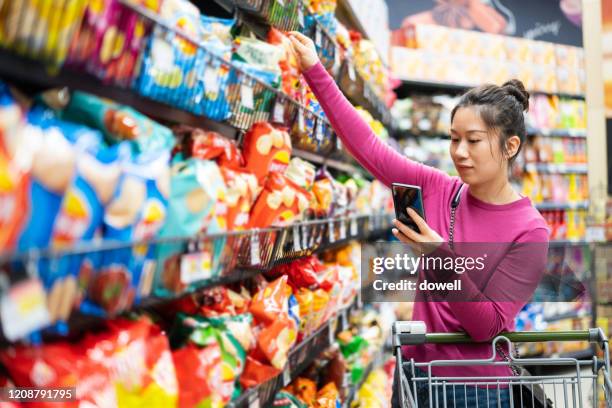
(135, 215)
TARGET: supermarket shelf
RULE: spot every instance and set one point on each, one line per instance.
(409, 86)
(573, 133)
(557, 168)
(581, 205)
(573, 314)
(347, 16)
(377, 361)
(299, 359)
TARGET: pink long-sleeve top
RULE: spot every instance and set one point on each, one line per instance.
(475, 221)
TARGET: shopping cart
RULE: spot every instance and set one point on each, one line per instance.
(417, 387)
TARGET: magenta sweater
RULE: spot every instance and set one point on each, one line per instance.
(476, 221)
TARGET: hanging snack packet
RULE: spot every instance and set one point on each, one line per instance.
(119, 123)
(198, 371)
(280, 203)
(266, 149)
(242, 190)
(197, 188)
(138, 357)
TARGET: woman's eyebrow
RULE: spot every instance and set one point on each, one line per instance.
(470, 131)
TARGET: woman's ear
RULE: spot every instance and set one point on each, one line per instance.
(512, 146)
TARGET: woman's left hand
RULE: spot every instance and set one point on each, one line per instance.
(424, 241)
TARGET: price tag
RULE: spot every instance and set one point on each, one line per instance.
(296, 239)
(319, 131)
(305, 233)
(301, 17)
(278, 115)
(330, 228)
(254, 400)
(343, 229)
(353, 227)
(195, 267)
(286, 376)
(336, 60)
(351, 71)
(246, 96)
(344, 320)
(318, 39)
(332, 331)
(301, 125)
(255, 259)
(211, 81)
(23, 309)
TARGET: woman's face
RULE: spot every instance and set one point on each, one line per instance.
(474, 148)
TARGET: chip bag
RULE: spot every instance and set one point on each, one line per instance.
(119, 123)
(280, 203)
(59, 365)
(206, 145)
(328, 396)
(242, 190)
(198, 371)
(138, 357)
(266, 149)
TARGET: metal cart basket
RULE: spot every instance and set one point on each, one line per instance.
(575, 382)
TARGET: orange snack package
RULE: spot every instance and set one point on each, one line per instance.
(266, 149)
(242, 190)
(280, 203)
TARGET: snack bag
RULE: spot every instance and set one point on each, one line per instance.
(305, 299)
(119, 123)
(221, 301)
(205, 145)
(79, 218)
(271, 302)
(301, 173)
(198, 371)
(110, 38)
(323, 192)
(171, 62)
(14, 174)
(136, 213)
(280, 203)
(266, 149)
(284, 399)
(306, 390)
(242, 190)
(290, 74)
(58, 365)
(196, 189)
(328, 396)
(231, 334)
(256, 372)
(33, 28)
(138, 357)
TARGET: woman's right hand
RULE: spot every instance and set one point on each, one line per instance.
(304, 50)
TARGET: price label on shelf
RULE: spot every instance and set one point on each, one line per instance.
(318, 39)
(344, 320)
(351, 71)
(343, 229)
(300, 121)
(319, 131)
(296, 238)
(286, 375)
(305, 236)
(301, 17)
(23, 308)
(255, 256)
(278, 115)
(246, 96)
(353, 227)
(331, 330)
(211, 81)
(196, 266)
(254, 400)
(330, 230)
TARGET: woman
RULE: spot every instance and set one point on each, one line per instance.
(487, 132)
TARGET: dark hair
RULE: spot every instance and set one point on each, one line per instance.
(501, 108)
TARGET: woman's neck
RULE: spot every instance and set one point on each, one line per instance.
(497, 192)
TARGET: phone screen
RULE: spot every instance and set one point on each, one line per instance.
(404, 196)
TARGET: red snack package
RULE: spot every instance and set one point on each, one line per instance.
(290, 73)
(221, 301)
(302, 273)
(271, 303)
(206, 145)
(276, 339)
(198, 371)
(242, 190)
(256, 373)
(137, 355)
(280, 203)
(266, 149)
(60, 365)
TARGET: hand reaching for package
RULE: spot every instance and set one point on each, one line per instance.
(304, 50)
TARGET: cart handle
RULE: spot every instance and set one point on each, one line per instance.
(405, 332)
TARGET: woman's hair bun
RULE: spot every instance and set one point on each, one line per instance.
(516, 88)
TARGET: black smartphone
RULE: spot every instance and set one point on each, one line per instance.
(404, 196)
